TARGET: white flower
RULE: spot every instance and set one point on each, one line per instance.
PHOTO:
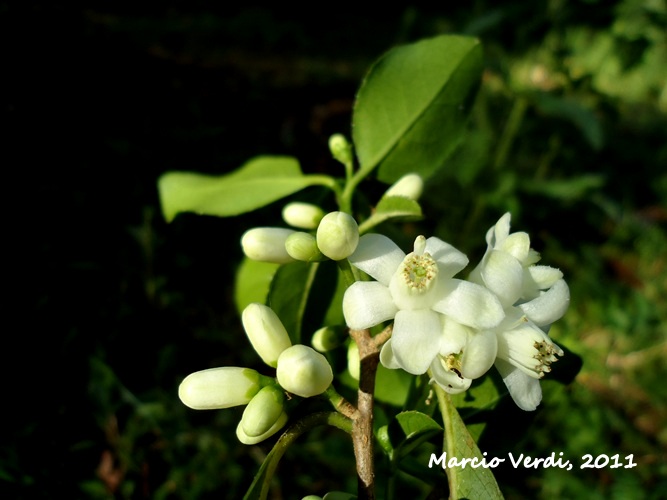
(508, 270)
(533, 297)
(416, 290)
(525, 354)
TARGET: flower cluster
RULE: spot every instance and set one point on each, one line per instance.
(457, 329)
(336, 237)
(300, 370)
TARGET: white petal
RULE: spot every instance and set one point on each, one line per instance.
(543, 276)
(366, 304)
(479, 354)
(517, 245)
(450, 260)
(549, 306)
(454, 336)
(377, 256)
(500, 231)
(448, 380)
(470, 304)
(525, 391)
(387, 357)
(415, 340)
(503, 275)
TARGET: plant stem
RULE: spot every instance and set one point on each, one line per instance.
(362, 427)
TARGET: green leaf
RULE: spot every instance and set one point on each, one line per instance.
(472, 404)
(253, 280)
(392, 386)
(392, 207)
(573, 189)
(415, 428)
(411, 109)
(464, 482)
(288, 295)
(257, 183)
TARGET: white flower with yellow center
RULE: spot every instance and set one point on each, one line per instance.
(415, 290)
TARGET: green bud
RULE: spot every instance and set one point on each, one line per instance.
(263, 411)
(245, 439)
(340, 149)
(219, 388)
(339, 495)
(338, 235)
(303, 371)
(266, 244)
(408, 186)
(302, 215)
(303, 247)
(328, 338)
(353, 361)
(265, 332)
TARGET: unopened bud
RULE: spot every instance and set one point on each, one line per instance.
(303, 247)
(263, 411)
(245, 439)
(219, 388)
(340, 149)
(302, 215)
(303, 371)
(266, 244)
(329, 337)
(266, 332)
(353, 361)
(338, 235)
(408, 186)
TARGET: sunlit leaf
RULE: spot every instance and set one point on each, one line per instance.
(392, 207)
(464, 482)
(411, 109)
(257, 183)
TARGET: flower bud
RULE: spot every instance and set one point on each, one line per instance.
(266, 244)
(302, 215)
(263, 411)
(353, 361)
(303, 371)
(245, 439)
(266, 332)
(219, 388)
(338, 235)
(339, 495)
(328, 338)
(340, 149)
(303, 247)
(408, 186)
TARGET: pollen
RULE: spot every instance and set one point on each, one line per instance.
(419, 272)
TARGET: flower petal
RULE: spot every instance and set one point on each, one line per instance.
(447, 379)
(470, 304)
(377, 256)
(541, 277)
(500, 231)
(517, 245)
(503, 275)
(450, 260)
(387, 357)
(525, 391)
(366, 304)
(415, 340)
(479, 354)
(549, 306)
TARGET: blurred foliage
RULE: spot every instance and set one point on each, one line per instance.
(567, 132)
